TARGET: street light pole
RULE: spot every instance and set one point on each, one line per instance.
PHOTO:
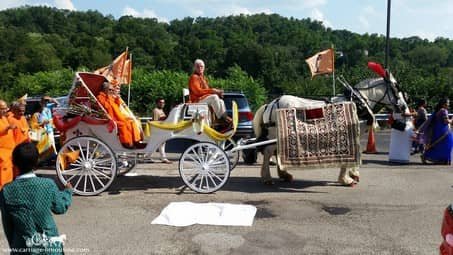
(387, 46)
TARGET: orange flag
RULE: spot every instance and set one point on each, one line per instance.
(127, 72)
(321, 63)
(117, 69)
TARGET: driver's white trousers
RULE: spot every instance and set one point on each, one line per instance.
(216, 103)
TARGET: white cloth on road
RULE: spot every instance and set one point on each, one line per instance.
(187, 213)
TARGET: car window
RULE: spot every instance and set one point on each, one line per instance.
(241, 101)
(32, 107)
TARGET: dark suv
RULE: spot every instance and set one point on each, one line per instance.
(245, 126)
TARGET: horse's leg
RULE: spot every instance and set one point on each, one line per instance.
(268, 151)
(287, 177)
(354, 173)
(344, 177)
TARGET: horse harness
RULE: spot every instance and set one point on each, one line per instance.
(386, 93)
(270, 123)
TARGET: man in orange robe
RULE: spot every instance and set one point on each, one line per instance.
(7, 145)
(128, 131)
(17, 118)
(201, 92)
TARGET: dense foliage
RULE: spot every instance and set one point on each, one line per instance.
(41, 46)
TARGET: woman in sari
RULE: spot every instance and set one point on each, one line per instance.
(437, 136)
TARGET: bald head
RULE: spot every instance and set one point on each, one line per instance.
(3, 108)
(17, 109)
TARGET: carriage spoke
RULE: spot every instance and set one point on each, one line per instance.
(97, 178)
(93, 153)
(100, 161)
(212, 180)
(207, 183)
(81, 150)
(191, 171)
(69, 179)
(104, 167)
(88, 149)
(72, 170)
(198, 159)
(101, 173)
(78, 181)
(85, 182)
(92, 183)
(215, 175)
(218, 161)
(201, 182)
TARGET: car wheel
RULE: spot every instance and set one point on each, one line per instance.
(249, 156)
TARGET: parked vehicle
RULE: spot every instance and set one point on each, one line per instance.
(245, 126)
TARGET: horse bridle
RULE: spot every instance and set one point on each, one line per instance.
(386, 93)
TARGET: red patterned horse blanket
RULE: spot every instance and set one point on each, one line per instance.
(317, 138)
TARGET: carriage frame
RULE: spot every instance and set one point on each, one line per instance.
(91, 155)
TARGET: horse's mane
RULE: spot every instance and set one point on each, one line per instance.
(370, 82)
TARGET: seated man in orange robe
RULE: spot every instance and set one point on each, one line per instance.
(201, 92)
(7, 145)
(17, 118)
(128, 131)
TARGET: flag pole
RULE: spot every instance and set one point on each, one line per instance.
(333, 69)
(129, 85)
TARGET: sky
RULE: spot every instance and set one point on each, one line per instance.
(427, 19)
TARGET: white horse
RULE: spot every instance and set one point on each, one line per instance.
(369, 95)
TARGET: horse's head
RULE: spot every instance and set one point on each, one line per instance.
(382, 92)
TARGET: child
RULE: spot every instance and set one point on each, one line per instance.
(27, 204)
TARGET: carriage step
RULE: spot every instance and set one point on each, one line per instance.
(140, 145)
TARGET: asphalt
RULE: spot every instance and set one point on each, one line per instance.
(395, 209)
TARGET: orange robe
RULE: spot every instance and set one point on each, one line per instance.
(21, 132)
(7, 145)
(127, 129)
(198, 88)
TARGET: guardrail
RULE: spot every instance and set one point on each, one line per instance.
(385, 116)
(379, 117)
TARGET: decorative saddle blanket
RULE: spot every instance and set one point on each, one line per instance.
(319, 137)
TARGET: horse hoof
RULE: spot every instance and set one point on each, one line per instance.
(269, 182)
(356, 178)
(288, 178)
(352, 184)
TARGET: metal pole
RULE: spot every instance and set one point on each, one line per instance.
(387, 46)
(129, 85)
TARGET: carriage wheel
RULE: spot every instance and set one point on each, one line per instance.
(88, 164)
(204, 167)
(227, 145)
(125, 164)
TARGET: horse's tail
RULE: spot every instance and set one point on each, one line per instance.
(258, 121)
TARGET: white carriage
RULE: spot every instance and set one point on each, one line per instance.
(91, 156)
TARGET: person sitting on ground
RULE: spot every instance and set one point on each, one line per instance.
(27, 204)
(18, 119)
(159, 114)
(128, 131)
(199, 91)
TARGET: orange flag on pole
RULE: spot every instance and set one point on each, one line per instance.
(126, 77)
(119, 70)
(321, 63)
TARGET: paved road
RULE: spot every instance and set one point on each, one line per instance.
(396, 209)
